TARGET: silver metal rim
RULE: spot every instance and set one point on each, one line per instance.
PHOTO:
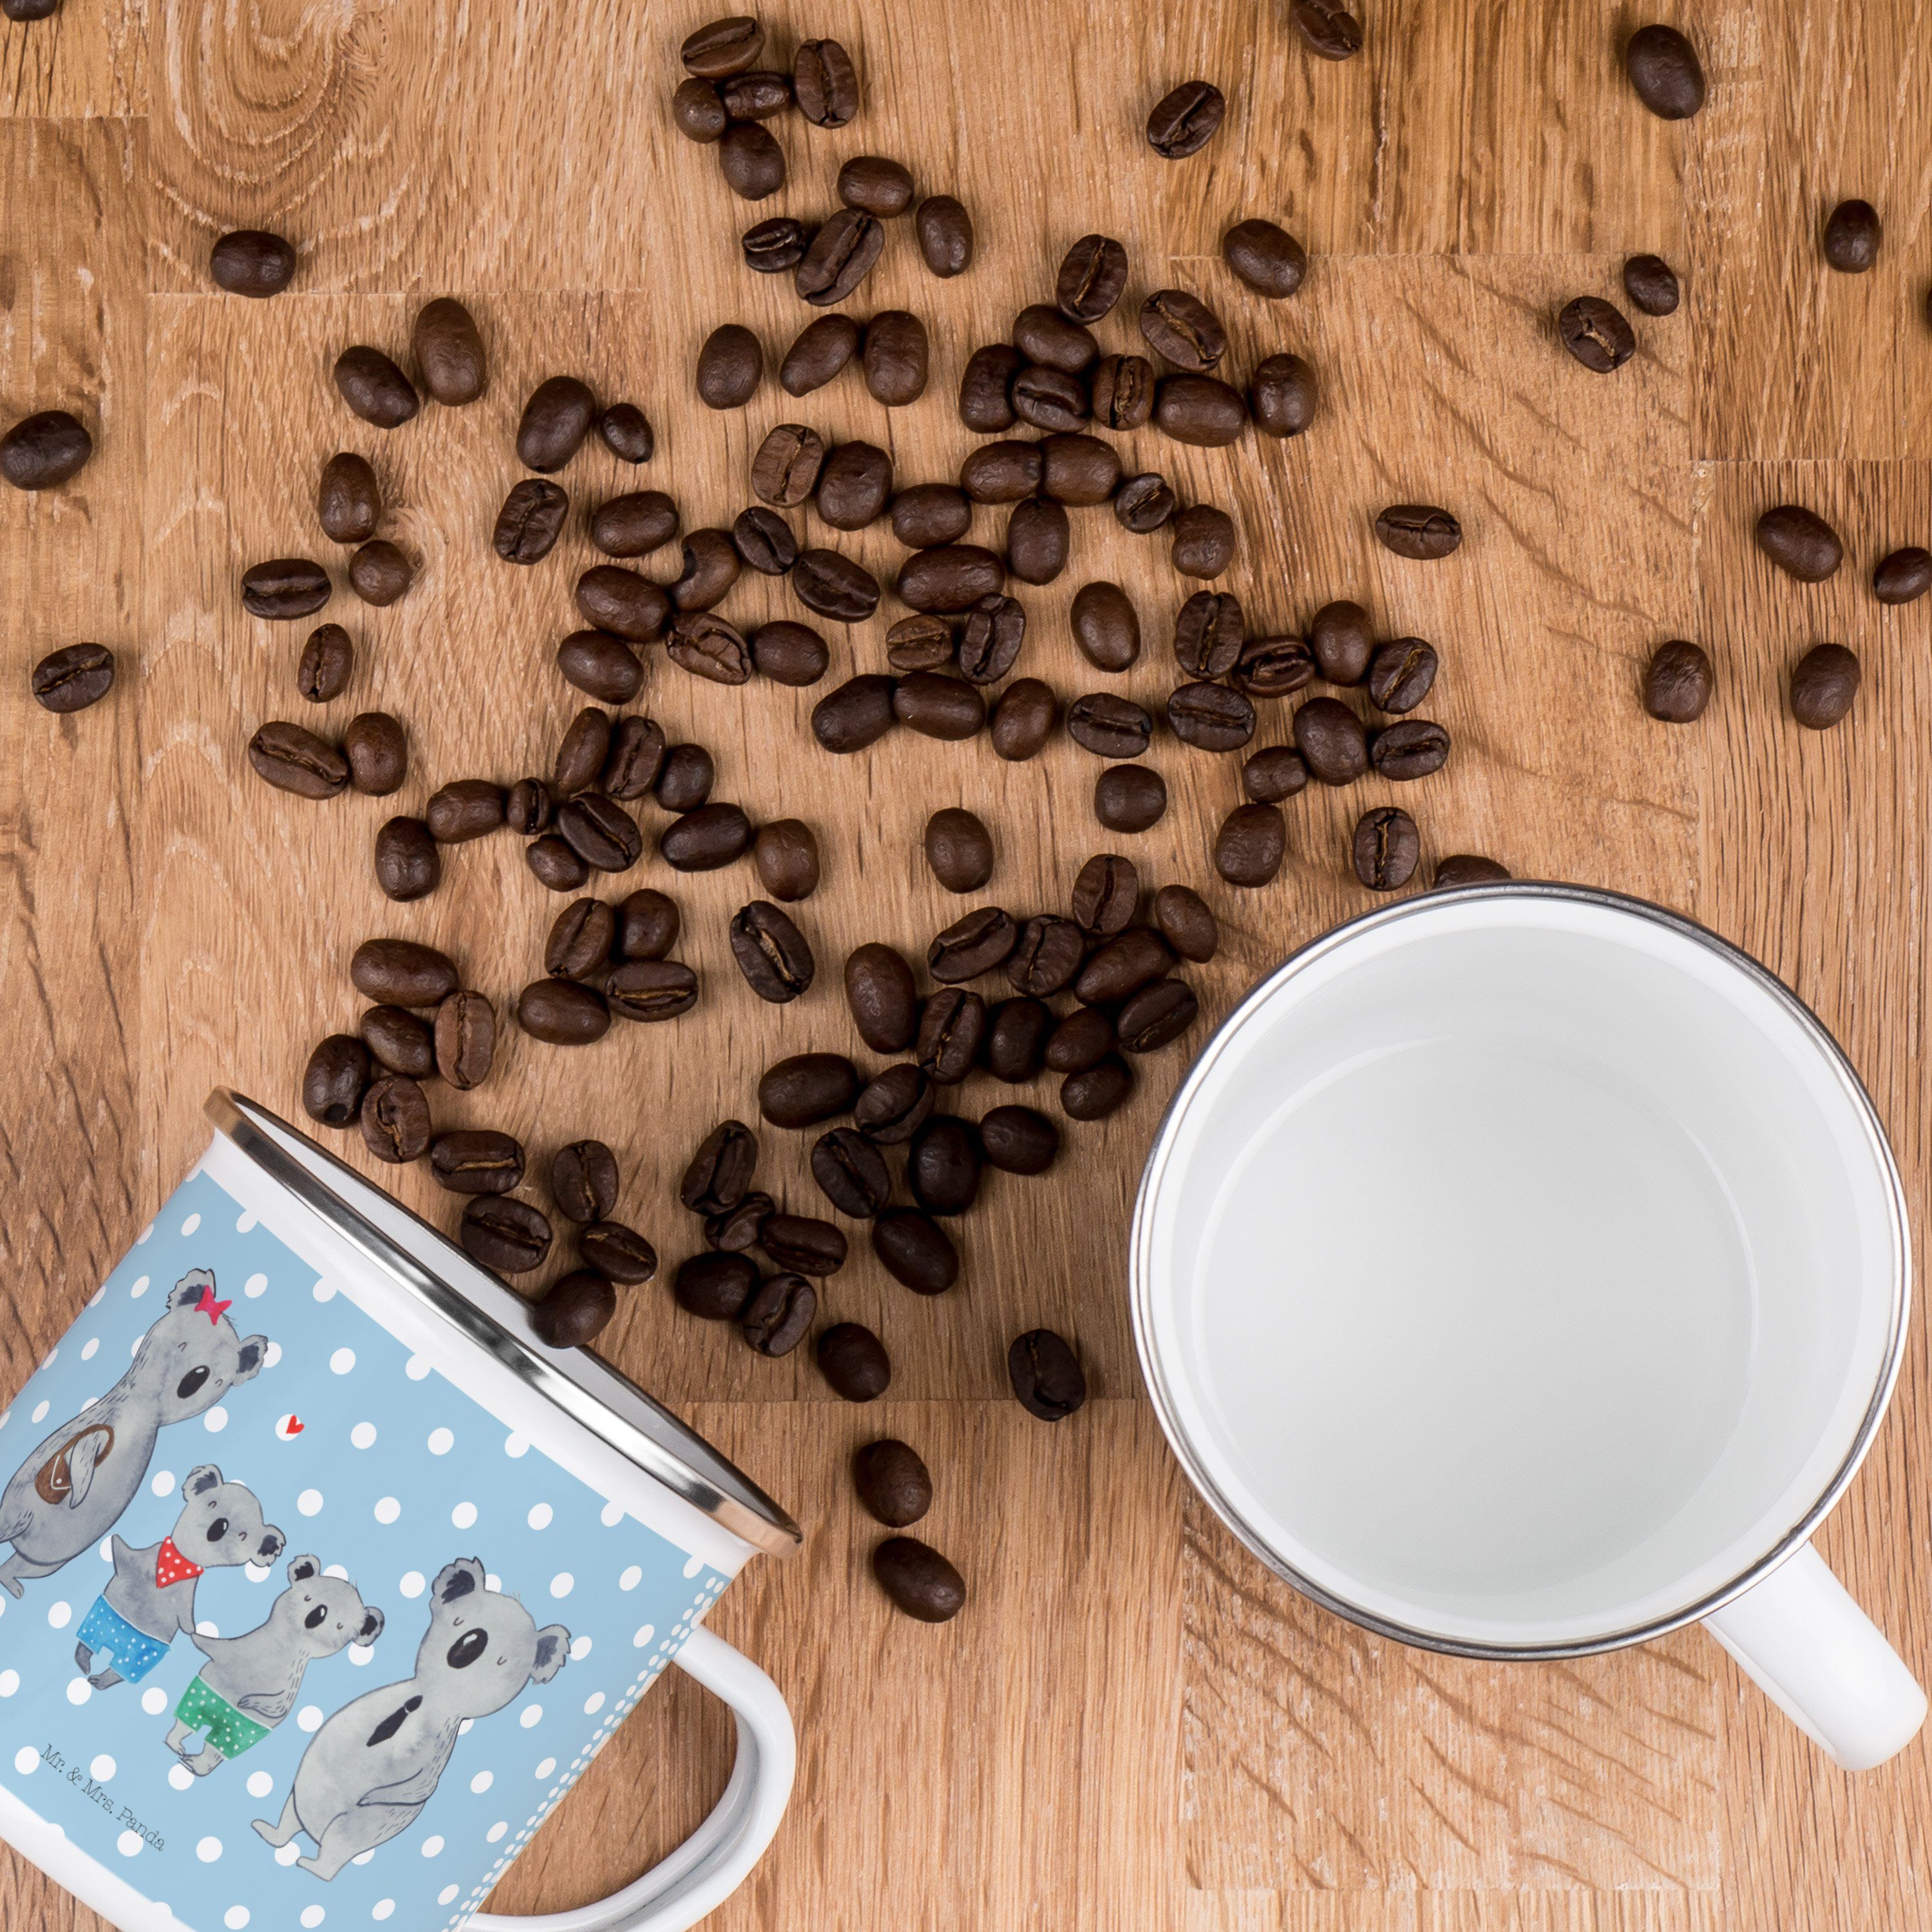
(583, 1387)
(1140, 1291)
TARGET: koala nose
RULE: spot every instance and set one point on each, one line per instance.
(192, 1380)
(272, 1545)
(467, 1649)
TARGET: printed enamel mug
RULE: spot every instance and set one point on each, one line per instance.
(1521, 1271)
(325, 1578)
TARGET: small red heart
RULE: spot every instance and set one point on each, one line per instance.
(295, 1425)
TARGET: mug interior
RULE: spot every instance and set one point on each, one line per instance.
(1519, 1268)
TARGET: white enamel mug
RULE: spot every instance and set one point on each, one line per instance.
(1521, 1272)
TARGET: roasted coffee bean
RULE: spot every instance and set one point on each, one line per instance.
(1800, 542)
(1903, 577)
(1092, 273)
(1282, 395)
(466, 1040)
(333, 1081)
(1044, 1370)
(1272, 667)
(1664, 69)
(1003, 472)
(650, 990)
(1107, 726)
(1183, 121)
(1106, 892)
(779, 1314)
(583, 1181)
(1467, 868)
(465, 808)
(1130, 798)
(1274, 774)
(945, 231)
(1038, 540)
(574, 1310)
(398, 1041)
(647, 925)
(626, 433)
(771, 951)
(1418, 531)
(1106, 626)
(401, 973)
(896, 358)
(374, 388)
(286, 587)
(972, 945)
(835, 586)
(806, 1088)
(917, 1252)
(789, 653)
(348, 501)
(919, 1580)
(632, 525)
(618, 1253)
(600, 831)
(1207, 633)
(1128, 961)
(1183, 330)
(511, 1236)
(985, 386)
(1119, 393)
(755, 96)
(892, 1483)
(1210, 717)
(824, 83)
(1015, 1040)
(785, 470)
(786, 856)
(1202, 410)
(1401, 673)
(880, 990)
(581, 754)
(1677, 683)
(952, 1024)
(683, 778)
(1596, 333)
(752, 164)
(854, 1360)
(720, 1172)
(1204, 541)
(1098, 1090)
(702, 643)
(293, 760)
(581, 938)
(1823, 683)
(1160, 1012)
(1050, 399)
(379, 573)
(990, 638)
(44, 450)
(857, 714)
(408, 866)
(1046, 337)
(529, 522)
(730, 365)
(1082, 1039)
(327, 661)
(73, 678)
(698, 110)
(1333, 740)
(1024, 719)
(555, 421)
(854, 485)
(715, 1286)
(601, 666)
(722, 47)
(564, 1013)
(711, 566)
(1047, 955)
(841, 256)
(1343, 642)
(876, 185)
(395, 1119)
(1250, 845)
(737, 1228)
(800, 1244)
(851, 1172)
(1019, 1140)
(929, 515)
(1650, 282)
(942, 1165)
(774, 246)
(1385, 848)
(1187, 923)
(921, 643)
(622, 602)
(553, 865)
(703, 840)
(449, 353)
(1267, 258)
(936, 706)
(477, 1160)
(250, 261)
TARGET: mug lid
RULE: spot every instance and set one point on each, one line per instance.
(425, 1265)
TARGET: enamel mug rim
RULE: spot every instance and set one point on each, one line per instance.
(1145, 1290)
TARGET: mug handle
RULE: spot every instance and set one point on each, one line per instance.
(712, 1863)
(1822, 1662)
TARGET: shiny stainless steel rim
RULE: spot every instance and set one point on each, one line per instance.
(433, 1272)
(1223, 1040)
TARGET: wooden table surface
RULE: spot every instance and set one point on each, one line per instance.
(1132, 1722)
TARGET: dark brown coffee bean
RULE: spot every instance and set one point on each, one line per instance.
(786, 856)
(401, 973)
(972, 945)
(1098, 1091)
(857, 714)
(896, 358)
(449, 355)
(293, 760)
(730, 365)
(1800, 542)
(555, 421)
(985, 404)
(1046, 337)
(1210, 717)
(1078, 470)
(1823, 683)
(771, 951)
(1187, 923)
(945, 231)
(1159, 1012)
(685, 779)
(477, 1160)
(852, 1172)
(711, 566)
(1418, 531)
(327, 661)
(720, 1172)
(1050, 399)
(348, 501)
(825, 83)
(841, 256)
(1120, 392)
(600, 831)
(286, 586)
(626, 433)
(917, 1252)
(876, 185)
(891, 1106)
(1019, 1140)
(697, 110)
(1093, 274)
(1202, 410)
(722, 47)
(563, 1013)
(1274, 774)
(1250, 845)
(1267, 258)
(1015, 1042)
(1343, 642)
(1678, 682)
(929, 515)
(1106, 893)
(1664, 69)
(1651, 283)
(1282, 395)
(755, 96)
(806, 1088)
(583, 1181)
(1183, 121)
(44, 450)
(1129, 960)
(246, 261)
(511, 1236)
(647, 925)
(1108, 726)
(408, 866)
(752, 164)
(800, 1244)
(466, 1040)
(529, 522)
(618, 1253)
(736, 1229)
(1272, 667)
(553, 865)
(702, 643)
(374, 388)
(921, 643)
(919, 1580)
(786, 469)
(1106, 626)
(1203, 540)
(1130, 798)
(779, 1314)
(395, 1119)
(632, 525)
(398, 1041)
(1401, 673)
(1208, 634)
(1469, 868)
(880, 990)
(581, 753)
(704, 840)
(854, 485)
(854, 1360)
(942, 1165)
(990, 638)
(1038, 540)
(773, 247)
(1183, 330)
(1385, 848)
(1333, 740)
(935, 707)
(465, 808)
(1047, 955)
(1003, 472)
(835, 586)
(72, 679)
(650, 990)
(951, 1025)
(379, 573)
(891, 1482)
(622, 602)
(333, 1081)
(1596, 333)
(1082, 1039)
(581, 938)
(574, 1310)
(1903, 577)
(715, 1286)
(1024, 719)
(601, 666)
(1045, 1375)
(789, 653)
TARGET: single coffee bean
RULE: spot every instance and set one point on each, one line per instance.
(466, 1039)
(890, 1107)
(1093, 275)
(1418, 531)
(530, 521)
(779, 1314)
(1386, 848)
(449, 353)
(774, 246)
(1250, 845)
(1343, 642)
(800, 1244)
(722, 47)
(1183, 330)
(880, 990)
(408, 866)
(327, 661)
(1272, 667)
(1078, 471)
(698, 110)
(919, 1580)
(1277, 772)
(374, 388)
(511, 1236)
(581, 939)
(1100, 1089)
(555, 421)
(1202, 410)
(622, 602)
(73, 678)
(583, 1181)
(935, 707)
(1800, 542)
(952, 1024)
(990, 638)
(1469, 868)
(379, 573)
(1130, 798)
(1047, 955)
(854, 1360)
(785, 470)
(985, 404)
(1332, 739)
(711, 566)
(1678, 682)
(841, 256)
(286, 587)
(1204, 541)
(875, 185)
(465, 808)
(685, 777)
(601, 666)
(333, 1081)
(626, 433)
(563, 1013)
(647, 925)
(1412, 749)
(574, 1310)
(1003, 472)
(1015, 1040)
(348, 501)
(554, 864)
(752, 164)
(1267, 258)
(892, 1482)
(1024, 719)
(1903, 577)
(704, 840)
(896, 358)
(702, 643)
(1038, 540)
(835, 586)
(1207, 633)
(581, 754)
(806, 1088)
(851, 1172)
(1187, 923)
(1108, 726)
(1650, 282)
(632, 525)
(293, 760)
(1045, 1375)
(1158, 1013)
(1823, 683)
(1183, 121)
(856, 715)
(771, 951)
(921, 643)
(825, 83)
(789, 653)
(401, 973)
(1210, 717)
(398, 1041)
(478, 1160)
(1019, 1140)
(1050, 399)
(945, 231)
(1282, 395)
(1126, 963)
(618, 1253)
(1082, 1039)
(972, 945)
(1106, 626)
(736, 1230)
(395, 1120)
(1119, 393)
(1664, 69)
(44, 450)
(251, 261)
(650, 990)
(1046, 336)
(786, 856)
(755, 96)
(600, 831)
(929, 515)
(1596, 333)
(942, 1165)
(720, 1172)
(729, 366)
(715, 1286)
(916, 1251)
(854, 485)
(1106, 893)
(1400, 673)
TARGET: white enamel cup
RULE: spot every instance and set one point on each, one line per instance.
(1521, 1272)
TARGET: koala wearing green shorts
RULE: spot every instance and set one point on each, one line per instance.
(250, 1683)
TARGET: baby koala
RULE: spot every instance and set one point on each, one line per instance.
(250, 1683)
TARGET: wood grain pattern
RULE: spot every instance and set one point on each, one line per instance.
(1133, 1723)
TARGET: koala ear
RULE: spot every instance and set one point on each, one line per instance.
(457, 1579)
(187, 1293)
(201, 1480)
(372, 1626)
(272, 1546)
(552, 1651)
(301, 1568)
(250, 1356)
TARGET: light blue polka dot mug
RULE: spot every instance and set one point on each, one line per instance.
(322, 1578)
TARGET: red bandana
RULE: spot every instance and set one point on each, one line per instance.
(171, 1566)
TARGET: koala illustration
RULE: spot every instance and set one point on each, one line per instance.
(151, 1594)
(376, 1763)
(71, 1491)
(250, 1682)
